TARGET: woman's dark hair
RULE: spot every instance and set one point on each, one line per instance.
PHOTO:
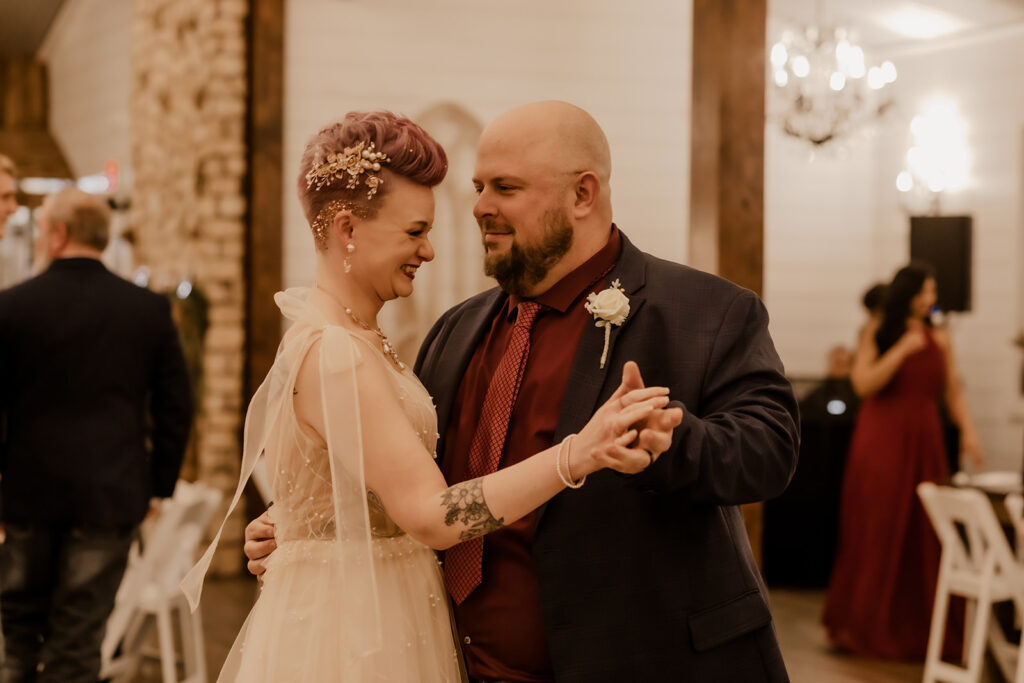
(906, 284)
(874, 298)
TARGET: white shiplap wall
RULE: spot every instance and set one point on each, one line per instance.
(819, 246)
(88, 54)
(628, 64)
(835, 225)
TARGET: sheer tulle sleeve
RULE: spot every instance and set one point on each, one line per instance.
(270, 427)
(340, 393)
(264, 410)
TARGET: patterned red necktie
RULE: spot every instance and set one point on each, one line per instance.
(463, 563)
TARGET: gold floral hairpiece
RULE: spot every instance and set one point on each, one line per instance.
(355, 162)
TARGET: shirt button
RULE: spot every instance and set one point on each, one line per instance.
(467, 640)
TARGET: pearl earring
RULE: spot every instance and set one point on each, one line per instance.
(350, 248)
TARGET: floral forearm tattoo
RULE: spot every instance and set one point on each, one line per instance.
(465, 503)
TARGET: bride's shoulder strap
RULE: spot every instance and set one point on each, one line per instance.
(339, 350)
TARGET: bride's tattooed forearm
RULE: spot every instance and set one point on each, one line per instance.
(465, 503)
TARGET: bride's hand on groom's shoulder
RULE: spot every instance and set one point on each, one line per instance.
(259, 543)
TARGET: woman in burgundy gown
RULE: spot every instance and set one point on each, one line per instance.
(880, 598)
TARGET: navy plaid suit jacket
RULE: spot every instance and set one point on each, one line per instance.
(650, 577)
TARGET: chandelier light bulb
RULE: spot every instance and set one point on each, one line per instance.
(876, 79)
(838, 81)
(889, 71)
(843, 52)
(801, 66)
(781, 78)
(857, 69)
(779, 55)
(904, 181)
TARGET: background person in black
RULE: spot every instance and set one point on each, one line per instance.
(800, 526)
(90, 371)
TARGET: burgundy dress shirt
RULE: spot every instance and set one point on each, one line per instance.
(500, 622)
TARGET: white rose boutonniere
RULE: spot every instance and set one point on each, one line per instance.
(610, 307)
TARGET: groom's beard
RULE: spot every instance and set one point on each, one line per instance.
(523, 266)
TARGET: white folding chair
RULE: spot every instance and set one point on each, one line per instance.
(1014, 503)
(150, 589)
(977, 563)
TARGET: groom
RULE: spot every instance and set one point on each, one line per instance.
(646, 577)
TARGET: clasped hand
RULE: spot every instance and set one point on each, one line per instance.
(629, 431)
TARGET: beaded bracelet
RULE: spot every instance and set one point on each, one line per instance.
(565, 446)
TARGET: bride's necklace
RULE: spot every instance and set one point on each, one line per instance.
(385, 343)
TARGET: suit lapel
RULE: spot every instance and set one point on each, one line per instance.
(587, 378)
(452, 360)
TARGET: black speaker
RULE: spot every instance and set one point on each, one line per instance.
(944, 242)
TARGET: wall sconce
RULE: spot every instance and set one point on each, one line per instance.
(939, 159)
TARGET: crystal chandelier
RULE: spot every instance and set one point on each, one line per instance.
(823, 88)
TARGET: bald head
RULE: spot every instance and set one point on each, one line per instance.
(86, 216)
(558, 135)
(543, 199)
(70, 224)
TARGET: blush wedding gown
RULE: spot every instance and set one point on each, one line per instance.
(347, 595)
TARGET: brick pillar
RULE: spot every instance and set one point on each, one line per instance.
(189, 154)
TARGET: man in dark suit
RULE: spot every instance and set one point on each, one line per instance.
(96, 409)
(648, 577)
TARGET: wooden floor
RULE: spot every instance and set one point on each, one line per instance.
(808, 655)
(797, 614)
(810, 659)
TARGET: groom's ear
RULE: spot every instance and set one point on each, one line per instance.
(587, 189)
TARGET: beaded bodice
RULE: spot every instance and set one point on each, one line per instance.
(301, 468)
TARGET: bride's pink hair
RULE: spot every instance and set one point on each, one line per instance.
(414, 155)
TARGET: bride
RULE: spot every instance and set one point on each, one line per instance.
(353, 591)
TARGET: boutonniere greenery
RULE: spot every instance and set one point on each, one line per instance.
(609, 307)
